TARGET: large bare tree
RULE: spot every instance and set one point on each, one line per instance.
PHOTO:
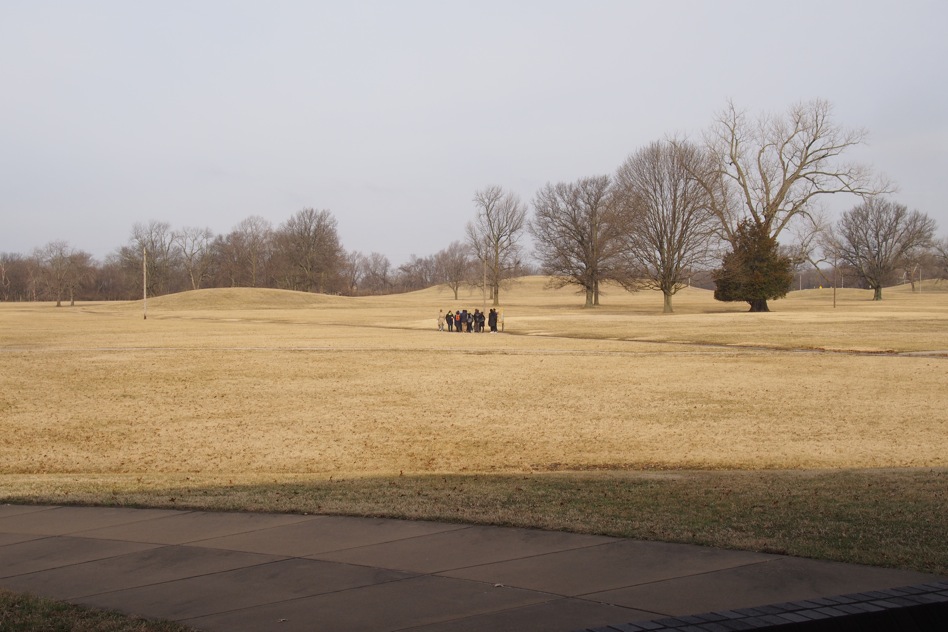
(575, 230)
(309, 251)
(774, 169)
(668, 223)
(494, 235)
(878, 236)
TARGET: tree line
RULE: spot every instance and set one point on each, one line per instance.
(741, 205)
(304, 253)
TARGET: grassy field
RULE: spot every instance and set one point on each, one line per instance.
(813, 430)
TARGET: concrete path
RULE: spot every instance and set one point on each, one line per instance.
(243, 571)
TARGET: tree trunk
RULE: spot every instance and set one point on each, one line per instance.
(589, 297)
(667, 308)
(877, 293)
(759, 305)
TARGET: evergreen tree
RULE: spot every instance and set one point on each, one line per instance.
(754, 271)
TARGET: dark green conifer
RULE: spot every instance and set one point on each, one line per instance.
(754, 271)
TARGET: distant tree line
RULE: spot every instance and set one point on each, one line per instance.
(304, 254)
(675, 213)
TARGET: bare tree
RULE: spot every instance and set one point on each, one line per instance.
(54, 261)
(112, 281)
(878, 236)
(253, 237)
(14, 277)
(34, 277)
(453, 265)
(417, 273)
(62, 270)
(576, 230)
(921, 263)
(242, 257)
(309, 250)
(494, 235)
(162, 259)
(352, 270)
(82, 273)
(668, 224)
(194, 246)
(772, 170)
(376, 274)
(940, 248)
(808, 245)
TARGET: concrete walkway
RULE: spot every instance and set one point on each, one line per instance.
(243, 571)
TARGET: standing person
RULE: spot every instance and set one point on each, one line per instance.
(440, 320)
(470, 322)
(450, 318)
(480, 322)
(492, 320)
(463, 320)
(457, 320)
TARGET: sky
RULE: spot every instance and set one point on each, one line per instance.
(391, 115)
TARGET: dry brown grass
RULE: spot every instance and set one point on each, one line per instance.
(26, 613)
(276, 401)
(248, 383)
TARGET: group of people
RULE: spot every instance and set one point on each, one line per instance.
(463, 320)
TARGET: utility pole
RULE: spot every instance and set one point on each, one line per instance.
(144, 283)
(484, 287)
(835, 277)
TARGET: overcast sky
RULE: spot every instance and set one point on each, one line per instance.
(392, 114)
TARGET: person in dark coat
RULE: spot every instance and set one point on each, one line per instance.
(492, 320)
